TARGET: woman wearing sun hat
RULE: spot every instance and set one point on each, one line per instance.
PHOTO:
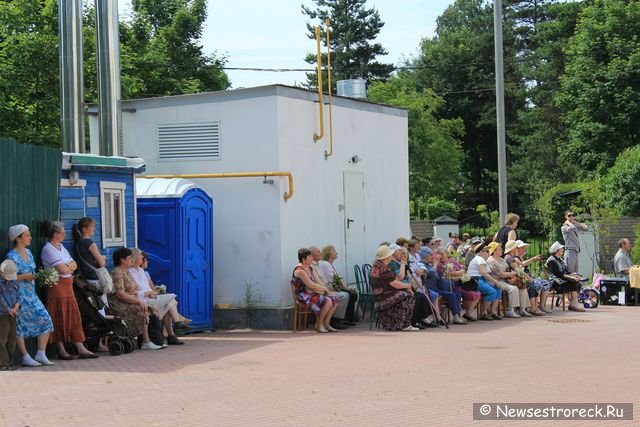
(33, 319)
(518, 298)
(561, 278)
(394, 300)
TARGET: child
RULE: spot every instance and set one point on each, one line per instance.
(9, 307)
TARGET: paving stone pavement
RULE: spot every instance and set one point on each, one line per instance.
(351, 378)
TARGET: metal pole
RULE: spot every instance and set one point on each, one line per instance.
(108, 58)
(502, 150)
(71, 76)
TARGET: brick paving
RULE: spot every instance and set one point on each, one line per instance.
(351, 378)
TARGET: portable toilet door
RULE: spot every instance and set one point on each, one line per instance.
(175, 228)
(196, 217)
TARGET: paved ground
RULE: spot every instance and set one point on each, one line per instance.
(349, 378)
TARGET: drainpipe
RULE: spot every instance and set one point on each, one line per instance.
(330, 152)
(108, 58)
(317, 137)
(289, 175)
(71, 76)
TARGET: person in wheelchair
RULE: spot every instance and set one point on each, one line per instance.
(563, 281)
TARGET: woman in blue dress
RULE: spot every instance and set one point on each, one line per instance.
(33, 319)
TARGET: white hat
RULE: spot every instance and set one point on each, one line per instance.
(384, 252)
(510, 245)
(436, 239)
(555, 247)
(16, 230)
(395, 247)
(522, 244)
(8, 270)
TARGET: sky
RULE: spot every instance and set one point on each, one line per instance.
(272, 34)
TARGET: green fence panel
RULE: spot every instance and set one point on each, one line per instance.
(29, 185)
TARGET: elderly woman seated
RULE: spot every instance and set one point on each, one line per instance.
(562, 280)
(538, 289)
(435, 283)
(329, 256)
(164, 306)
(124, 301)
(508, 281)
(450, 269)
(394, 300)
(399, 266)
(488, 286)
(316, 297)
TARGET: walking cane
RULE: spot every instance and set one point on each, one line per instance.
(436, 313)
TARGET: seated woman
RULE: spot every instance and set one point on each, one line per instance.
(537, 288)
(165, 306)
(488, 286)
(61, 301)
(417, 272)
(561, 279)
(124, 300)
(451, 269)
(394, 300)
(517, 292)
(440, 286)
(314, 295)
(329, 255)
(400, 268)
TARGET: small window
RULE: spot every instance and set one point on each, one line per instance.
(114, 232)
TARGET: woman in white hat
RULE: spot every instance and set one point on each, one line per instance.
(33, 319)
(561, 279)
(394, 300)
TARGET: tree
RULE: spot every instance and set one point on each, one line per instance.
(458, 64)
(29, 74)
(353, 29)
(435, 152)
(161, 52)
(544, 32)
(621, 183)
(600, 91)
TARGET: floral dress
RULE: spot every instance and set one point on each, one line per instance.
(312, 300)
(33, 319)
(394, 306)
(131, 313)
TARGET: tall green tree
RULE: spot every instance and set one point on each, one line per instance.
(29, 76)
(600, 90)
(458, 64)
(435, 149)
(353, 50)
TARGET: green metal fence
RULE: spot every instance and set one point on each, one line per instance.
(29, 184)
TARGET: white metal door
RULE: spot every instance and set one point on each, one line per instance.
(354, 226)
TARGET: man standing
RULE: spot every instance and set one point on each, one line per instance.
(571, 241)
(622, 261)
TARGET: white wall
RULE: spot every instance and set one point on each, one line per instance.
(257, 234)
(246, 224)
(314, 216)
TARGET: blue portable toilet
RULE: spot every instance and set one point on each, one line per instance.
(175, 227)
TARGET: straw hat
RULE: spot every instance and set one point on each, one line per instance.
(8, 270)
(383, 252)
(510, 246)
(491, 247)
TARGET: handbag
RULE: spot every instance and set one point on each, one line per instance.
(634, 277)
(516, 281)
(103, 275)
(471, 285)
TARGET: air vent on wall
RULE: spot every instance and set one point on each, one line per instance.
(189, 141)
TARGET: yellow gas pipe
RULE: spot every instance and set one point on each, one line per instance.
(289, 175)
(330, 152)
(317, 137)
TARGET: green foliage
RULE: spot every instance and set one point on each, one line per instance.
(600, 91)
(585, 197)
(435, 151)
(635, 251)
(353, 30)
(433, 207)
(621, 183)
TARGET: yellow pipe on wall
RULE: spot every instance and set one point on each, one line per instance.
(317, 137)
(289, 175)
(330, 152)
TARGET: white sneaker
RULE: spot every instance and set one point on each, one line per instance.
(150, 346)
(524, 314)
(411, 328)
(512, 315)
(44, 361)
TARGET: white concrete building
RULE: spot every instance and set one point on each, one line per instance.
(354, 199)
